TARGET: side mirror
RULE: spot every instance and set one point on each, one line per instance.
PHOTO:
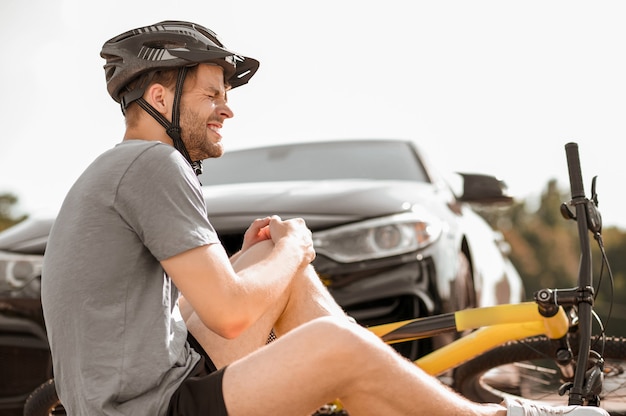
(484, 189)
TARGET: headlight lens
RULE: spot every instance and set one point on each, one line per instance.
(378, 238)
(19, 270)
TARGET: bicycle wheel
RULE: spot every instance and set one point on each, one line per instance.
(522, 369)
(44, 401)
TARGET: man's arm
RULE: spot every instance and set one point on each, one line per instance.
(257, 232)
(229, 302)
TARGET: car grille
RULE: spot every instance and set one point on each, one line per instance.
(24, 353)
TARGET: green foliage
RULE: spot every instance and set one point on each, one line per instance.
(545, 249)
(7, 202)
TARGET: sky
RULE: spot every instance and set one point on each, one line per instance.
(496, 87)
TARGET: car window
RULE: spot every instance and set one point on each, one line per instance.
(378, 160)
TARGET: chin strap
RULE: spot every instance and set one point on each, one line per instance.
(173, 129)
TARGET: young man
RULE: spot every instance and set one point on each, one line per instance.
(133, 232)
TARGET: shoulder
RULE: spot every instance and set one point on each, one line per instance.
(154, 157)
(158, 168)
(144, 148)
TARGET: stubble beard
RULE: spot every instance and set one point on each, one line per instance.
(195, 134)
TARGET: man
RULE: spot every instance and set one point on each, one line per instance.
(133, 232)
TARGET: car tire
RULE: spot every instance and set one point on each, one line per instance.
(44, 401)
(463, 294)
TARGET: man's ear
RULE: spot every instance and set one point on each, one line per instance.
(158, 97)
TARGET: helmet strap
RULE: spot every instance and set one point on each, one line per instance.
(173, 128)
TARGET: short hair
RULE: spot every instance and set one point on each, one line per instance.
(167, 78)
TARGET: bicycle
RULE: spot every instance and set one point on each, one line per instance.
(547, 344)
(541, 350)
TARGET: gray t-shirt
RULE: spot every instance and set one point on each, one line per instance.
(118, 341)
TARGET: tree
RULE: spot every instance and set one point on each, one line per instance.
(7, 202)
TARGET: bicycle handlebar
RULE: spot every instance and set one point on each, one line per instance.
(585, 289)
(575, 173)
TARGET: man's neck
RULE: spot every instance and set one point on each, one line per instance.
(148, 132)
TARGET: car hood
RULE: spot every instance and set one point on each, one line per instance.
(28, 237)
(322, 203)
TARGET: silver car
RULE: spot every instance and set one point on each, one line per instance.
(394, 240)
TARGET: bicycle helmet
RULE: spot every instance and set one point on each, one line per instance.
(136, 54)
(165, 45)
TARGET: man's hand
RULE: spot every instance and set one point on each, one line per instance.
(296, 231)
(257, 232)
(275, 229)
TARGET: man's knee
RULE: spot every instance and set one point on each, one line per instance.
(254, 254)
(340, 336)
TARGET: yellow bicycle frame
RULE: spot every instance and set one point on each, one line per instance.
(494, 325)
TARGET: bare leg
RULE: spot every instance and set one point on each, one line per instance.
(320, 356)
(328, 359)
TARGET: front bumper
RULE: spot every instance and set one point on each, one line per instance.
(385, 290)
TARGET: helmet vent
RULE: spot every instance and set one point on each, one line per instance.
(159, 53)
(164, 45)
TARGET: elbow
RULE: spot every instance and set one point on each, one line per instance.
(227, 327)
(230, 332)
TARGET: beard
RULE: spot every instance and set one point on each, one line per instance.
(195, 136)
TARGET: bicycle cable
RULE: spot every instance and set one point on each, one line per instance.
(604, 264)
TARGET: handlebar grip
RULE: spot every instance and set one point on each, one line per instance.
(575, 173)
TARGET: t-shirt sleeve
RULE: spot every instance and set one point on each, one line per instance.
(160, 197)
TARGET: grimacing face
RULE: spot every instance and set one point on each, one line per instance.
(203, 109)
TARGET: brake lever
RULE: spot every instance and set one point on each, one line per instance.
(594, 194)
(594, 219)
(567, 213)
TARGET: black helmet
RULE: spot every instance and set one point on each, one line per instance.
(165, 45)
(169, 44)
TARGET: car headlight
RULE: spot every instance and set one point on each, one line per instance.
(18, 270)
(378, 238)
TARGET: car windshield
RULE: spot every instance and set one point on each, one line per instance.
(378, 160)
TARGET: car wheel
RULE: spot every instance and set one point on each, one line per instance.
(463, 294)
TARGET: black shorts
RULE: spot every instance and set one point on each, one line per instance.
(201, 392)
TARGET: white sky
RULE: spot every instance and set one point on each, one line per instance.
(492, 87)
